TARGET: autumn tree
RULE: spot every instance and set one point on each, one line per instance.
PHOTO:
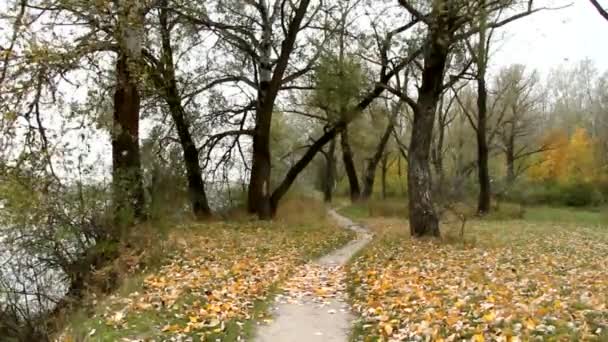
(127, 173)
(446, 23)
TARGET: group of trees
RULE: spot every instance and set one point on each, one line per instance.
(243, 96)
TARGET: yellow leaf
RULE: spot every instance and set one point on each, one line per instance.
(489, 317)
(558, 304)
(170, 328)
(478, 338)
(388, 329)
(530, 324)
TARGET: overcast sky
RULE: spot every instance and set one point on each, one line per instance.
(549, 39)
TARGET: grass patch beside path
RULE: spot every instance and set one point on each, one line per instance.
(216, 283)
(375, 208)
(534, 279)
(590, 216)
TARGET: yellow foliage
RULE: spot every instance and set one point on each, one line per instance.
(567, 159)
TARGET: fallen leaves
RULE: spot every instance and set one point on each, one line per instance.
(544, 286)
(215, 278)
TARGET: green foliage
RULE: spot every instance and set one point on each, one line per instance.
(507, 211)
(338, 81)
(573, 194)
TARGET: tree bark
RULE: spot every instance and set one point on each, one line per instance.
(437, 148)
(372, 165)
(259, 195)
(483, 206)
(127, 179)
(384, 172)
(329, 177)
(510, 158)
(349, 167)
(168, 86)
(423, 217)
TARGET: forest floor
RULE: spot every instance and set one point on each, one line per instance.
(543, 276)
(313, 304)
(538, 274)
(216, 284)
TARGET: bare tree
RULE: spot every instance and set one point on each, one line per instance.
(519, 101)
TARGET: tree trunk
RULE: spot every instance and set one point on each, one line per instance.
(510, 158)
(168, 85)
(372, 165)
(384, 171)
(437, 147)
(196, 186)
(483, 206)
(259, 197)
(423, 217)
(329, 177)
(259, 184)
(349, 167)
(127, 180)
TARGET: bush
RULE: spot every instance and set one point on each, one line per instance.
(581, 195)
(574, 194)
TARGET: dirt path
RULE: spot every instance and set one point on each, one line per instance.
(313, 306)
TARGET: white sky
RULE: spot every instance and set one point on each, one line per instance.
(551, 38)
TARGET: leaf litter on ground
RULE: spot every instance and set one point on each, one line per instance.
(214, 280)
(545, 282)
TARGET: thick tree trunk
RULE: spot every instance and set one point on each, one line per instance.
(372, 165)
(126, 160)
(168, 85)
(329, 174)
(128, 191)
(483, 172)
(259, 196)
(483, 206)
(349, 167)
(259, 184)
(423, 217)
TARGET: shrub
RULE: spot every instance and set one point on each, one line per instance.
(573, 194)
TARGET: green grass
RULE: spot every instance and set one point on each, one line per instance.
(375, 208)
(586, 216)
(355, 211)
(301, 232)
(516, 258)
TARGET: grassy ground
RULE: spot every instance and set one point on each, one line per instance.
(373, 208)
(544, 277)
(215, 284)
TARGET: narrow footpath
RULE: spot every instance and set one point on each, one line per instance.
(313, 306)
